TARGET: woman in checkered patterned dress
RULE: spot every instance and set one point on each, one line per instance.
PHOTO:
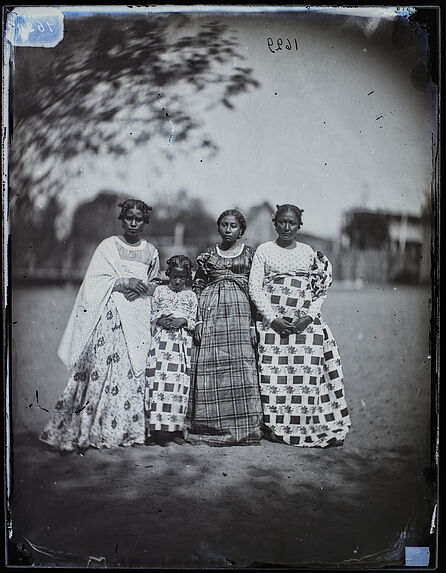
(105, 343)
(301, 377)
(174, 311)
(224, 402)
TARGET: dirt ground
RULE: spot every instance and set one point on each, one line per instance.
(188, 506)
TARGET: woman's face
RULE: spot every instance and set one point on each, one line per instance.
(287, 225)
(178, 278)
(229, 229)
(133, 223)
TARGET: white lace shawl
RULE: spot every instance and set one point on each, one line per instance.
(105, 267)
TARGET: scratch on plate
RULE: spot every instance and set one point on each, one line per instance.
(434, 520)
(92, 558)
(172, 127)
(37, 404)
(38, 549)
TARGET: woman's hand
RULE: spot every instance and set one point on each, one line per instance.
(282, 327)
(130, 294)
(137, 286)
(133, 289)
(253, 333)
(197, 333)
(301, 324)
(151, 288)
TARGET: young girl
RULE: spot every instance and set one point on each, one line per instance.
(167, 375)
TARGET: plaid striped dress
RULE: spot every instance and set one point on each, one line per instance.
(224, 400)
(301, 377)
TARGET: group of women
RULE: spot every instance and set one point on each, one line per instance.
(242, 355)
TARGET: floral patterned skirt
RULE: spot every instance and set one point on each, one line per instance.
(103, 403)
(167, 380)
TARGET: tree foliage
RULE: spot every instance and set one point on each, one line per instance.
(34, 243)
(79, 97)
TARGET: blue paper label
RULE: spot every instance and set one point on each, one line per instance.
(417, 556)
(35, 26)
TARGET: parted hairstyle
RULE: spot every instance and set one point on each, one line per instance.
(182, 262)
(288, 207)
(134, 204)
(234, 213)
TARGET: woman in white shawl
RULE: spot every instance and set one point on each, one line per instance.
(106, 341)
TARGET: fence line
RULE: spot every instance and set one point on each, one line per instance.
(372, 266)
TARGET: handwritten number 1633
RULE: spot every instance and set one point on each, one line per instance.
(280, 44)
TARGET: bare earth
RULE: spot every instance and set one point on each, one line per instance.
(197, 506)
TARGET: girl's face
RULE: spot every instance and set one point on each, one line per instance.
(229, 229)
(287, 225)
(133, 224)
(178, 278)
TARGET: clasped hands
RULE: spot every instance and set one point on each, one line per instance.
(285, 327)
(135, 288)
(169, 322)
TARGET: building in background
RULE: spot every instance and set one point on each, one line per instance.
(381, 246)
(374, 246)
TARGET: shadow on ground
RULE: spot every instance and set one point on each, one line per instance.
(195, 506)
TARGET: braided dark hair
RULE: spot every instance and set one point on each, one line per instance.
(234, 213)
(182, 262)
(134, 204)
(288, 207)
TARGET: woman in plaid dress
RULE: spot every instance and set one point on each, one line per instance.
(301, 378)
(224, 401)
(105, 343)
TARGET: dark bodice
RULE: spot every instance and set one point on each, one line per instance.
(213, 266)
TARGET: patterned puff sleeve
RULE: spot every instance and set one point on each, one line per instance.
(320, 280)
(201, 276)
(259, 296)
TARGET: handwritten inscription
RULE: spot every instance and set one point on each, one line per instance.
(30, 26)
(282, 44)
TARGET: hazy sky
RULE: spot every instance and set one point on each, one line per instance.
(336, 124)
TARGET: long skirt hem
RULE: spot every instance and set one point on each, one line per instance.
(102, 405)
